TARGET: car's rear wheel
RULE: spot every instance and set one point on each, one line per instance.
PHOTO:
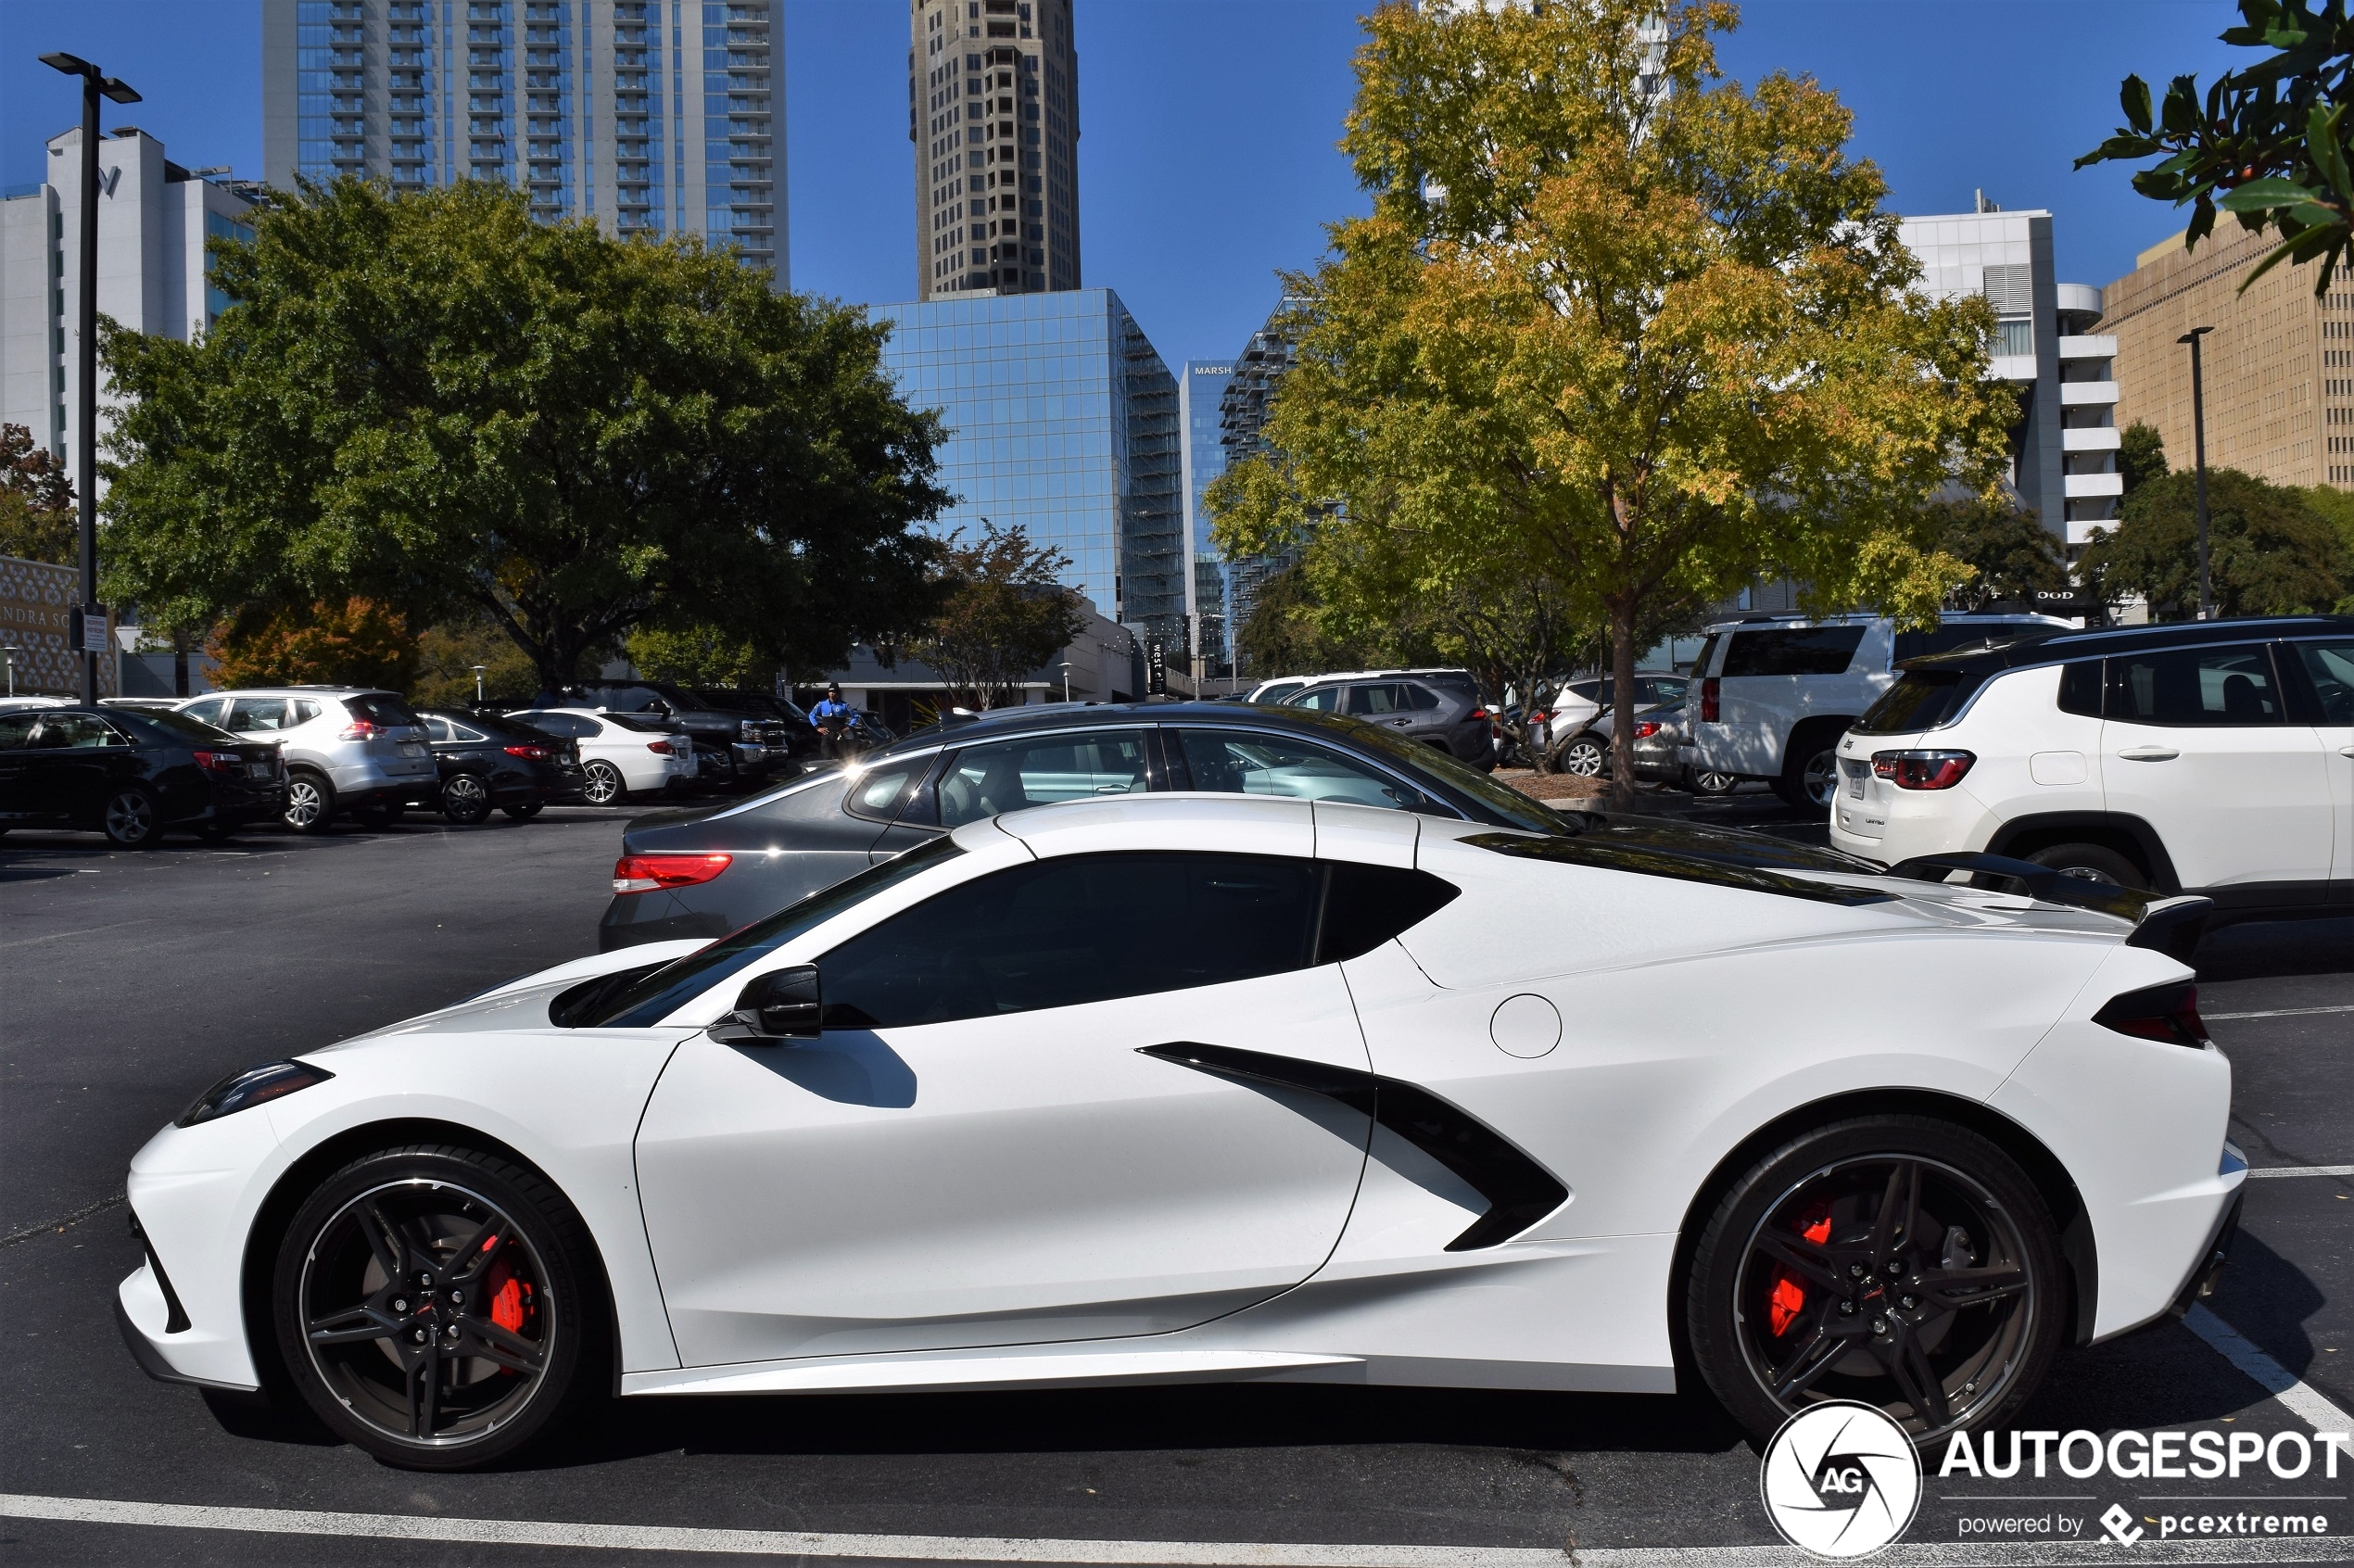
(465, 799)
(1587, 756)
(437, 1306)
(1705, 782)
(2093, 863)
(1901, 1262)
(600, 784)
(310, 802)
(525, 812)
(130, 817)
(1810, 778)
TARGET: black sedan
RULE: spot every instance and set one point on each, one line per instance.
(487, 761)
(132, 773)
(704, 872)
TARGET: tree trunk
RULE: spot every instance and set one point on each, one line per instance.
(1622, 707)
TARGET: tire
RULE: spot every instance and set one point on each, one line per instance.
(1704, 782)
(600, 784)
(476, 1231)
(132, 818)
(1788, 1300)
(465, 799)
(1809, 780)
(525, 813)
(1587, 756)
(310, 801)
(2094, 864)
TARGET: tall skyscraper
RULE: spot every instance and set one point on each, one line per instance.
(993, 109)
(659, 116)
(1199, 393)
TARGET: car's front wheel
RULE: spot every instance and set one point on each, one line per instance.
(310, 802)
(130, 817)
(437, 1306)
(600, 784)
(1897, 1260)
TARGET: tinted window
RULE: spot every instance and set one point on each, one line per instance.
(1041, 770)
(2195, 687)
(1707, 651)
(1951, 635)
(1321, 699)
(1232, 762)
(459, 732)
(1421, 699)
(1920, 699)
(76, 730)
(877, 793)
(178, 725)
(2330, 665)
(671, 987)
(16, 730)
(1365, 906)
(1075, 929)
(1379, 701)
(1792, 650)
(380, 707)
(2080, 688)
(437, 728)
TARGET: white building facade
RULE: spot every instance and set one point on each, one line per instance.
(2064, 447)
(154, 218)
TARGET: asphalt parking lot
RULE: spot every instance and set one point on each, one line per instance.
(129, 982)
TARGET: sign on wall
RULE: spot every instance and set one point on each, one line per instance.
(37, 619)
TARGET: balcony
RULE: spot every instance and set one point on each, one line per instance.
(2087, 394)
(2102, 347)
(2011, 367)
(2086, 486)
(2100, 439)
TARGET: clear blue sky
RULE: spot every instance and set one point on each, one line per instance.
(1206, 126)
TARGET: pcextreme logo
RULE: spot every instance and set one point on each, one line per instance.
(1841, 1480)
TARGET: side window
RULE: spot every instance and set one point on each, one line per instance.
(1323, 700)
(16, 730)
(1040, 770)
(2330, 665)
(1074, 929)
(300, 710)
(459, 732)
(208, 711)
(437, 728)
(1795, 651)
(1378, 701)
(1235, 763)
(1421, 699)
(2195, 687)
(1707, 651)
(2080, 689)
(76, 730)
(256, 713)
(877, 793)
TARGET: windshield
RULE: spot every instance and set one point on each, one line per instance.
(1429, 762)
(177, 726)
(663, 993)
(1920, 699)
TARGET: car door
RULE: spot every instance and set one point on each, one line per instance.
(16, 766)
(73, 759)
(978, 1150)
(2198, 743)
(2328, 664)
(1383, 702)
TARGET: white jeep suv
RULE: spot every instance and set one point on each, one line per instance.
(1771, 695)
(2211, 757)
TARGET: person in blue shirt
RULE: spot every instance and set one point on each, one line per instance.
(833, 718)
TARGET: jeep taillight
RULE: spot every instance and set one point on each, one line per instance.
(1708, 704)
(644, 873)
(1922, 770)
(2166, 1013)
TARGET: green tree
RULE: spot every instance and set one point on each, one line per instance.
(2013, 556)
(38, 520)
(1656, 340)
(2141, 455)
(1004, 615)
(432, 402)
(698, 655)
(1286, 632)
(2270, 553)
(2271, 143)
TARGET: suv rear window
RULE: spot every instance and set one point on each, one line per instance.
(1794, 650)
(1920, 699)
(382, 707)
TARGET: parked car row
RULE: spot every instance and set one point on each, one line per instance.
(132, 775)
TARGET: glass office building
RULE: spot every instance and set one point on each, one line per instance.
(1061, 417)
(657, 116)
(1200, 392)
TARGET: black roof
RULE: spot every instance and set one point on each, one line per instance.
(1037, 716)
(2059, 647)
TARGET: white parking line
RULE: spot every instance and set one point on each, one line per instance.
(2280, 1013)
(2260, 1171)
(1172, 1554)
(2303, 1400)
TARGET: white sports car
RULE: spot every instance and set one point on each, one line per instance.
(1203, 1087)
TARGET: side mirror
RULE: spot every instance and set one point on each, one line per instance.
(780, 1004)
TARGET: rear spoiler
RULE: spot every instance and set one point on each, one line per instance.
(2172, 926)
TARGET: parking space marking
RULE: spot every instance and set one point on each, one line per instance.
(2279, 1013)
(1170, 1554)
(2303, 1400)
(2256, 1172)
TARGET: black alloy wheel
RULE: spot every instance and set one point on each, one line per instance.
(523, 812)
(310, 802)
(431, 1308)
(1898, 1261)
(131, 819)
(465, 799)
(2094, 864)
(602, 785)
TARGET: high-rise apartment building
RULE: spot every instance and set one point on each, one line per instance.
(1200, 392)
(1241, 416)
(993, 109)
(2278, 368)
(658, 116)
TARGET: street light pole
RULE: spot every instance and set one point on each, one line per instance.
(2198, 449)
(96, 83)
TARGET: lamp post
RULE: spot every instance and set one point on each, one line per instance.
(1065, 667)
(96, 83)
(2198, 449)
(10, 652)
(478, 669)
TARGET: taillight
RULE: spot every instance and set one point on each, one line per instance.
(644, 873)
(361, 729)
(531, 753)
(1479, 712)
(219, 761)
(1645, 729)
(1708, 706)
(2166, 1012)
(1922, 770)
(661, 748)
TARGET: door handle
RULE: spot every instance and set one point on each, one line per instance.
(2346, 750)
(2150, 754)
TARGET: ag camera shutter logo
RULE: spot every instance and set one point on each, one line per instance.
(1841, 1480)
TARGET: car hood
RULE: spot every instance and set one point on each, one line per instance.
(522, 1002)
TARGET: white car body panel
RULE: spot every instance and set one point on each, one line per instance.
(2231, 803)
(642, 771)
(1025, 1198)
(2031, 758)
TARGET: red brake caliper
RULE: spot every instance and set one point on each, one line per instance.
(1788, 1297)
(507, 1299)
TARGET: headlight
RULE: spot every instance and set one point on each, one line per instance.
(240, 1090)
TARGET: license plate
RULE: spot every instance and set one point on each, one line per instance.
(412, 749)
(258, 770)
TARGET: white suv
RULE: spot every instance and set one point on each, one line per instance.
(350, 749)
(1771, 695)
(2211, 757)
